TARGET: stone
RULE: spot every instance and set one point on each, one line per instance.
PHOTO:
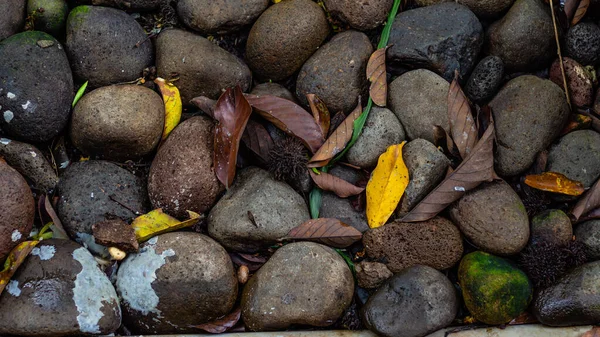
(255, 212)
(204, 68)
(415, 302)
(487, 9)
(29, 110)
(579, 81)
(302, 283)
(573, 300)
(419, 98)
(13, 17)
(115, 233)
(284, 37)
(443, 38)
(551, 225)
(118, 122)
(51, 18)
(577, 156)
(371, 275)
(423, 3)
(130, 5)
(582, 43)
(485, 80)
(436, 243)
(176, 281)
(589, 234)
(524, 37)
(30, 162)
(59, 291)
(181, 177)
(106, 46)
(221, 16)
(273, 89)
(360, 15)
(18, 209)
(336, 72)
(529, 113)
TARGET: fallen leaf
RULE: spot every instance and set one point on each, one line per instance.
(576, 9)
(337, 141)
(173, 107)
(577, 122)
(554, 182)
(475, 169)
(320, 112)
(232, 112)
(79, 94)
(257, 139)
(587, 202)
(205, 104)
(329, 231)
(15, 258)
(289, 117)
(386, 186)
(524, 318)
(221, 325)
(594, 332)
(484, 119)
(377, 76)
(462, 125)
(442, 139)
(57, 228)
(339, 186)
(336, 121)
(157, 222)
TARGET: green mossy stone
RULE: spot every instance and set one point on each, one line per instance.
(51, 18)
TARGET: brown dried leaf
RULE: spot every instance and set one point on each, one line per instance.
(462, 125)
(442, 139)
(475, 169)
(289, 117)
(337, 141)
(582, 7)
(336, 121)
(339, 186)
(320, 112)
(221, 325)
(205, 104)
(15, 258)
(258, 140)
(57, 228)
(232, 112)
(377, 76)
(589, 201)
(329, 231)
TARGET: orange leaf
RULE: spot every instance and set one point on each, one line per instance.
(14, 260)
(339, 186)
(462, 124)
(377, 75)
(329, 231)
(554, 182)
(320, 112)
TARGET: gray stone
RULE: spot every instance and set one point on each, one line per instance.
(443, 37)
(582, 43)
(255, 212)
(551, 225)
(51, 15)
(360, 15)
(143, 5)
(589, 233)
(30, 162)
(336, 72)
(423, 3)
(487, 9)
(529, 112)
(220, 16)
(577, 156)
(371, 275)
(13, 17)
(419, 98)
(415, 302)
(302, 283)
(273, 89)
(381, 130)
(485, 80)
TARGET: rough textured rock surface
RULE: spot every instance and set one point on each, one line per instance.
(577, 156)
(583, 43)
(371, 275)
(274, 89)
(116, 233)
(551, 225)
(485, 80)
(221, 16)
(589, 234)
(30, 162)
(579, 81)
(360, 15)
(487, 8)
(13, 17)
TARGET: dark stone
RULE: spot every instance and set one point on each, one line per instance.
(51, 15)
(551, 225)
(219, 16)
(589, 234)
(583, 43)
(30, 162)
(115, 233)
(487, 9)
(360, 15)
(13, 17)
(577, 156)
(485, 80)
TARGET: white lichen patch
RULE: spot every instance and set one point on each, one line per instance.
(26, 105)
(16, 235)
(4, 141)
(13, 288)
(92, 291)
(33, 154)
(10, 95)
(88, 241)
(45, 252)
(8, 116)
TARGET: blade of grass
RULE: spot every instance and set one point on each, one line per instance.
(79, 94)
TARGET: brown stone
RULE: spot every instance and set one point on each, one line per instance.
(579, 81)
(371, 274)
(116, 233)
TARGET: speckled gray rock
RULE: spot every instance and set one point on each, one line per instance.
(336, 72)
(487, 8)
(493, 218)
(274, 206)
(551, 225)
(204, 68)
(51, 16)
(416, 301)
(28, 109)
(485, 80)
(176, 280)
(220, 16)
(274, 89)
(361, 15)
(589, 233)
(574, 300)
(419, 98)
(59, 291)
(30, 162)
(106, 46)
(577, 156)
(90, 191)
(13, 17)
(302, 283)
(426, 166)
(381, 130)
(524, 37)
(529, 112)
(444, 38)
(582, 43)
(284, 37)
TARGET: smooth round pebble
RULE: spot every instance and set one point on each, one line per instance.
(551, 225)
(219, 16)
(360, 15)
(487, 9)
(30, 162)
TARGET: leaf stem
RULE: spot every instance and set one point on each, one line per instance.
(560, 59)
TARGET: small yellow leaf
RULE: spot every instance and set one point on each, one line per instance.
(156, 222)
(173, 106)
(15, 258)
(386, 186)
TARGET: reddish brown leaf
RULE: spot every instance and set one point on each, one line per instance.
(524, 318)
(258, 140)
(475, 169)
(377, 76)
(337, 141)
(336, 121)
(577, 122)
(589, 201)
(339, 186)
(462, 125)
(591, 215)
(221, 325)
(576, 9)
(320, 112)
(329, 231)
(205, 104)
(289, 117)
(57, 228)
(232, 112)
(442, 139)
(554, 182)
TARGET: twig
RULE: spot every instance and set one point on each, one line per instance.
(111, 197)
(562, 67)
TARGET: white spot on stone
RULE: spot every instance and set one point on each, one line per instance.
(92, 195)
(16, 235)
(459, 188)
(8, 116)
(153, 240)
(91, 292)
(10, 95)
(33, 154)
(26, 105)
(45, 252)
(13, 288)
(87, 240)
(64, 164)
(4, 141)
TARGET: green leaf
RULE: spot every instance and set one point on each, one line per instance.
(79, 94)
(316, 196)
(348, 260)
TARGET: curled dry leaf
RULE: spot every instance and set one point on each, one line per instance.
(554, 182)
(377, 76)
(589, 201)
(442, 139)
(232, 112)
(575, 10)
(57, 228)
(15, 258)
(462, 124)
(289, 117)
(386, 186)
(329, 231)
(339, 186)
(173, 107)
(205, 104)
(156, 222)
(320, 113)
(258, 140)
(221, 325)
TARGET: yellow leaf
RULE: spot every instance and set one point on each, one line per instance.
(173, 106)
(14, 260)
(386, 186)
(156, 222)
